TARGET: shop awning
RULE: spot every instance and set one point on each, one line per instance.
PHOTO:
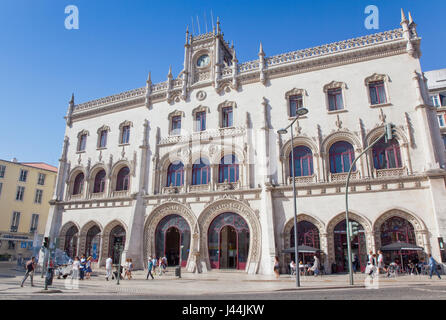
(398, 246)
(302, 249)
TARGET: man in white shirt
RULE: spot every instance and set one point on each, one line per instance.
(108, 267)
(75, 266)
(380, 261)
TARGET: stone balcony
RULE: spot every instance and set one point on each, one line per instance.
(337, 177)
(302, 180)
(227, 186)
(173, 189)
(393, 172)
(200, 188)
(98, 195)
(120, 194)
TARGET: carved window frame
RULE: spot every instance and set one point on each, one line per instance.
(333, 86)
(296, 92)
(79, 140)
(375, 78)
(121, 132)
(100, 130)
(221, 107)
(198, 109)
(176, 113)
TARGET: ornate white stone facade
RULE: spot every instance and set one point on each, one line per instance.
(258, 92)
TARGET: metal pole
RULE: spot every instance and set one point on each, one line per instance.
(47, 263)
(296, 247)
(349, 249)
(118, 247)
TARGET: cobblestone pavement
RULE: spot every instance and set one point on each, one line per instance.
(197, 285)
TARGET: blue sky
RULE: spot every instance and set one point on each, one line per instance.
(118, 42)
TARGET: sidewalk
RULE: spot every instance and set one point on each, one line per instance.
(214, 282)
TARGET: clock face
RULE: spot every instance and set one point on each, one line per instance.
(203, 60)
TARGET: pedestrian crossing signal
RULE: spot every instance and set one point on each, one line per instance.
(45, 242)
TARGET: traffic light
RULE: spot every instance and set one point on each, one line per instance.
(46, 242)
(354, 229)
(390, 132)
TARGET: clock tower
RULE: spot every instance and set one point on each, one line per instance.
(206, 56)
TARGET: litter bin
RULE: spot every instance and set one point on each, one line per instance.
(49, 276)
(178, 272)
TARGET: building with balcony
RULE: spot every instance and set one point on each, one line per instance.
(436, 83)
(25, 192)
(193, 167)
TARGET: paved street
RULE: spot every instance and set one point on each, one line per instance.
(222, 286)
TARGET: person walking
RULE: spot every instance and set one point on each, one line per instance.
(380, 261)
(30, 266)
(315, 267)
(160, 266)
(82, 267)
(149, 268)
(75, 266)
(276, 267)
(355, 263)
(433, 267)
(129, 269)
(155, 261)
(88, 268)
(108, 267)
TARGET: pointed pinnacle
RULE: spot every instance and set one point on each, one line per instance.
(72, 98)
(410, 18)
(169, 75)
(149, 78)
(261, 49)
(403, 16)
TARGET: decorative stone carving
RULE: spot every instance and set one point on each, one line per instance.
(201, 95)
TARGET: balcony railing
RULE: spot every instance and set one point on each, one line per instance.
(336, 177)
(200, 187)
(228, 185)
(394, 172)
(302, 180)
(97, 195)
(75, 196)
(173, 189)
(120, 194)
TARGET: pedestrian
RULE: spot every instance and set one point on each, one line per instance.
(82, 267)
(108, 267)
(30, 266)
(380, 261)
(149, 268)
(160, 266)
(315, 267)
(355, 263)
(164, 264)
(292, 268)
(88, 268)
(433, 267)
(370, 257)
(129, 268)
(75, 266)
(276, 267)
(155, 261)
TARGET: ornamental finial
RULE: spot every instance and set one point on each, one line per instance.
(169, 75)
(410, 18)
(72, 98)
(403, 16)
(261, 53)
(149, 78)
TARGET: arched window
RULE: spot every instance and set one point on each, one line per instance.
(78, 184)
(99, 182)
(342, 156)
(229, 169)
(200, 172)
(387, 155)
(175, 174)
(123, 179)
(303, 162)
(397, 229)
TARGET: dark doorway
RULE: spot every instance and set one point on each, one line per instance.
(228, 248)
(173, 240)
(117, 237)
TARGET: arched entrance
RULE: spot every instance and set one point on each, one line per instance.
(358, 245)
(71, 239)
(398, 229)
(228, 242)
(93, 242)
(308, 235)
(172, 232)
(117, 237)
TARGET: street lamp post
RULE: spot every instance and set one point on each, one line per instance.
(299, 112)
(181, 254)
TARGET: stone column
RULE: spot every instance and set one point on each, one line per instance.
(214, 176)
(316, 167)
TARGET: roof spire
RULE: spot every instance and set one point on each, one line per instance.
(403, 16)
(72, 98)
(187, 34)
(410, 18)
(261, 52)
(169, 75)
(218, 25)
(149, 78)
